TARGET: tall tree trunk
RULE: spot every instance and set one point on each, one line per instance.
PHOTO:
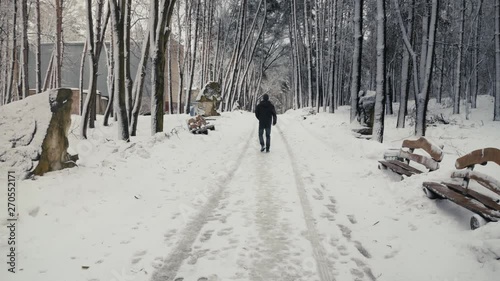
(475, 56)
(48, 73)
(424, 43)
(10, 87)
(117, 16)
(128, 75)
(169, 73)
(409, 48)
(138, 87)
(405, 73)
(227, 91)
(496, 113)
(23, 71)
(110, 81)
(82, 75)
(293, 58)
(307, 36)
(388, 91)
(59, 30)
(181, 61)
(423, 96)
(439, 94)
(193, 61)
(297, 52)
(38, 69)
(318, 59)
(159, 32)
(332, 57)
(458, 71)
(378, 124)
(356, 58)
(95, 40)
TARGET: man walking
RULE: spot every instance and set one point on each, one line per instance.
(266, 113)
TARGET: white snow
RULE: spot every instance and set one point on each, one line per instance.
(315, 208)
(23, 126)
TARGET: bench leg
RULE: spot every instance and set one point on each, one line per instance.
(430, 194)
(381, 167)
(476, 221)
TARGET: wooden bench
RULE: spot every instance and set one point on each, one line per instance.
(484, 207)
(398, 160)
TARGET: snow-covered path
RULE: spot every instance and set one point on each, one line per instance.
(259, 224)
(192, 207)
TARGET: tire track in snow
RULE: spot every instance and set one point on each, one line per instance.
(346, 232)
(193, 228)
(319, 254)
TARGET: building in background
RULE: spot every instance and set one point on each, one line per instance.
(72, 56)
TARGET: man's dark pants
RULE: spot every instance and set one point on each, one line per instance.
(267, 128)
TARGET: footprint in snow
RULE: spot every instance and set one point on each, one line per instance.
(34, 211)
(362, 250)
(412, 227)
(352, 219)
(328, 216)
(207, 235)
(138, 256)
(157, 263)
(225, 231)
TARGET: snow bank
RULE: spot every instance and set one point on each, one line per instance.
(23, 125)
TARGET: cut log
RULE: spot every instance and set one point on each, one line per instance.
(480, 156)
(435, 151)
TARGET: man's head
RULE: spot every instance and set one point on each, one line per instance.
(265, 97)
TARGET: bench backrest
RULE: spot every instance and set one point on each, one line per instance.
(435, 152)
(482, 157)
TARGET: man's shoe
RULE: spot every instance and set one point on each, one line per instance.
(262, 149)
(267, 149)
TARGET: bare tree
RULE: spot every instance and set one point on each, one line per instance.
(95, 40)
(307, 36)
(423, 96)
(496, 115)
(475, 57)
(405, 73)
(159, 28)
(126, 56)
(138, 86)
(110, 81)
(192, 64)
(23, 72)
(378, 124)
(13, 54)
(117, 8)
(38, 70)
(356, 57)
(58, 43)
(458, 71)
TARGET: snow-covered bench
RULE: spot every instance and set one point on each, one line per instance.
(485, 207)
(398, 160)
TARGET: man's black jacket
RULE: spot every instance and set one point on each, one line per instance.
(266, 112)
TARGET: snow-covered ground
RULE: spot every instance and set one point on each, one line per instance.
(316, 207)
